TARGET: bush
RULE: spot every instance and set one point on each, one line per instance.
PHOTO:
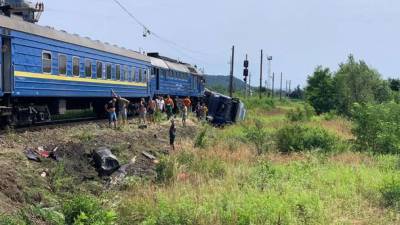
(86, 210)
(391, 193)
(166, 170)
(376, 127)
(257, 135)
(301, 114)
(257, 103)
(201, 138)
(212, 168)
(295, 138)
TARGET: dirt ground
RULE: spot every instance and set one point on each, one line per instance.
(23, 181)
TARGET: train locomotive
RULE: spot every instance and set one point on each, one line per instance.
(45, 72)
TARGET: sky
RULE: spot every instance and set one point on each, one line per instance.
(300, 35)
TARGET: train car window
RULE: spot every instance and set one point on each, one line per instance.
(145, 76)
(46, 62)
(125, 75)
(140, 75)
(118, 72)
(75, 66)
(108, 71)
(133, 74)
(62, 64)
(88, 68)
(99, 70)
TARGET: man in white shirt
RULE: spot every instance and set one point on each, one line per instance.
(160, 103)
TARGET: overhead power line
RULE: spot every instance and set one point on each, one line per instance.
(147, 31)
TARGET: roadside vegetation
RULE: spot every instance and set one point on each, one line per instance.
(331, 158)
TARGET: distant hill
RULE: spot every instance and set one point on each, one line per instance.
(220, 83)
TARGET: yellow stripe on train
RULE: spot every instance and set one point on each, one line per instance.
(76, 79)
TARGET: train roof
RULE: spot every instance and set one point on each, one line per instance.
(51, 33)
(172, 64)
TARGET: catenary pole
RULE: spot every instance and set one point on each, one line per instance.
(231, 73)
(261, 71)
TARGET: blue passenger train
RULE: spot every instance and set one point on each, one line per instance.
(44, 72)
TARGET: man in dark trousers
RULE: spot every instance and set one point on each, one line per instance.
(110, 107)
(172, 135)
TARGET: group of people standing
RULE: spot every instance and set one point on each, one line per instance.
(147, 110)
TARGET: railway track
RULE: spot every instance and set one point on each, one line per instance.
(52, 124)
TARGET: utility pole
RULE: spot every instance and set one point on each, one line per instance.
(249, 84)
(286, 88)
(290, 90)
(261, 70)
(280, 90)
(269, 58)
(273, 85)
(231, 74)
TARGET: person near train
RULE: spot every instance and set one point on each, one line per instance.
(160, 104)
(142, 112)
(151, 109)
(184, 115)
(172, 135)
(169, 106)
(110, 107)
(187, 102)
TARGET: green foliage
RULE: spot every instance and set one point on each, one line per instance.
(49, 215)
(297, 93)
(60, 180)
(86, 210)
(257, 135)
(301, 113)
(394, 84)
(13, 220)
(257, 103)
(390, 191)
(297, 137)
(211, 168)
(376, 127)
(201, 138)
(356, 82)
(320, 90)
(166, 170)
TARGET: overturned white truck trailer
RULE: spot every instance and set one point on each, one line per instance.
(224, 109)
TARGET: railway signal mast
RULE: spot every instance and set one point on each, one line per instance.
(245, 73)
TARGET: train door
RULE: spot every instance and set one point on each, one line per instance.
(157, 70)
(5, 61)
(1, 66)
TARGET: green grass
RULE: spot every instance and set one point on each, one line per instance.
(224, 180)
(306, 188)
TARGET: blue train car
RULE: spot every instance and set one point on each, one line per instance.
(171, 77)
(43, 69)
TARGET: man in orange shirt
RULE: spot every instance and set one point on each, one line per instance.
(187, 102)
(169, 106)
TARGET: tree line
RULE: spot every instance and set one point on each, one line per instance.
(354, 82)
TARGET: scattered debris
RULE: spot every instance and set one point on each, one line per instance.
(105, 162)
(143, 126)
(148, 155)
(32, 155)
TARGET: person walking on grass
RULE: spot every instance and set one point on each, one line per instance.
(169, 106)
(172, 135)
(110, 107)
(184, 115)
(142, 112)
